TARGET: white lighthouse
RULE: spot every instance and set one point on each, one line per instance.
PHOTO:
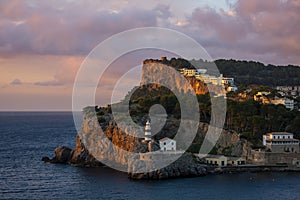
(148, 134)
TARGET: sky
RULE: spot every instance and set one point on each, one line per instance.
(43, 43)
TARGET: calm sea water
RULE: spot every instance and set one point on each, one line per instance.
(26, 137)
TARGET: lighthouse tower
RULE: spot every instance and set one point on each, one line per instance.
(148, 131)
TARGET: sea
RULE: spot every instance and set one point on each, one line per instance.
(26, 137)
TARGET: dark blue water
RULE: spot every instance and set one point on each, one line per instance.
(26, 137)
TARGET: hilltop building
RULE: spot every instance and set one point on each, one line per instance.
(264, 98)
(227, 81)
(201, 74)
(288, 103)
(280, 142)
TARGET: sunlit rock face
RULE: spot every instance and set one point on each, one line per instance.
(106, 141)
(160, 73)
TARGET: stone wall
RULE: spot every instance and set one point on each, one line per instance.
(271, 158)
(284, 148)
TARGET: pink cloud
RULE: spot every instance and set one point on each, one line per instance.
(63, 28)
(249, 30)
(268, 32)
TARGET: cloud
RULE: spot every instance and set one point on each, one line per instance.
(62, 27)
(256, 29)
(16, 82)
(245, 29)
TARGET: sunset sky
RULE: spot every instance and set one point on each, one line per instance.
(42, 43)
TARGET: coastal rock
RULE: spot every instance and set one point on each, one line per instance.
(62, 155)
(186, 166)
(82, 157)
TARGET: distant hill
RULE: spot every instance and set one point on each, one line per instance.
(251, 72)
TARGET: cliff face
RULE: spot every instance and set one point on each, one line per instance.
(152, 73)
(229, 142)
(186, 166)
(114, 146)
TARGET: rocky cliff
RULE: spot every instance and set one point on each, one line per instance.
(100, 139)
(152, 73)
(187, 165)
(114, 147)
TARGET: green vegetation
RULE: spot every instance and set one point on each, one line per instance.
(176, 63)
(250, 72)
(249, 118)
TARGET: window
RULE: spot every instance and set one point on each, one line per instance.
(165, 143)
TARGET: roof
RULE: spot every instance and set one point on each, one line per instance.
(279, 133)
(215, 156)
(165, 139)
(235, 158)
(283, 140)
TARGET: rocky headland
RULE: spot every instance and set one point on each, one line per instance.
(101, 141)
(115, 145)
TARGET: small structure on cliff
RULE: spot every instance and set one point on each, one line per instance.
(152, 145)
(148, 135)
(280, 142)
(167, 144)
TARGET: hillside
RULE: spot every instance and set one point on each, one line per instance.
(251, 72)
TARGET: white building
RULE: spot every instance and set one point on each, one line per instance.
(227, 81)
(236, 161)
(284, 88)
(215, 80)
(201, 71)
(288, 103)
(148, 135)
(218, 160)
(232, 89)
(167, 144)
(188, 72)
(222, 161)
(279, 142)
(203, 77)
